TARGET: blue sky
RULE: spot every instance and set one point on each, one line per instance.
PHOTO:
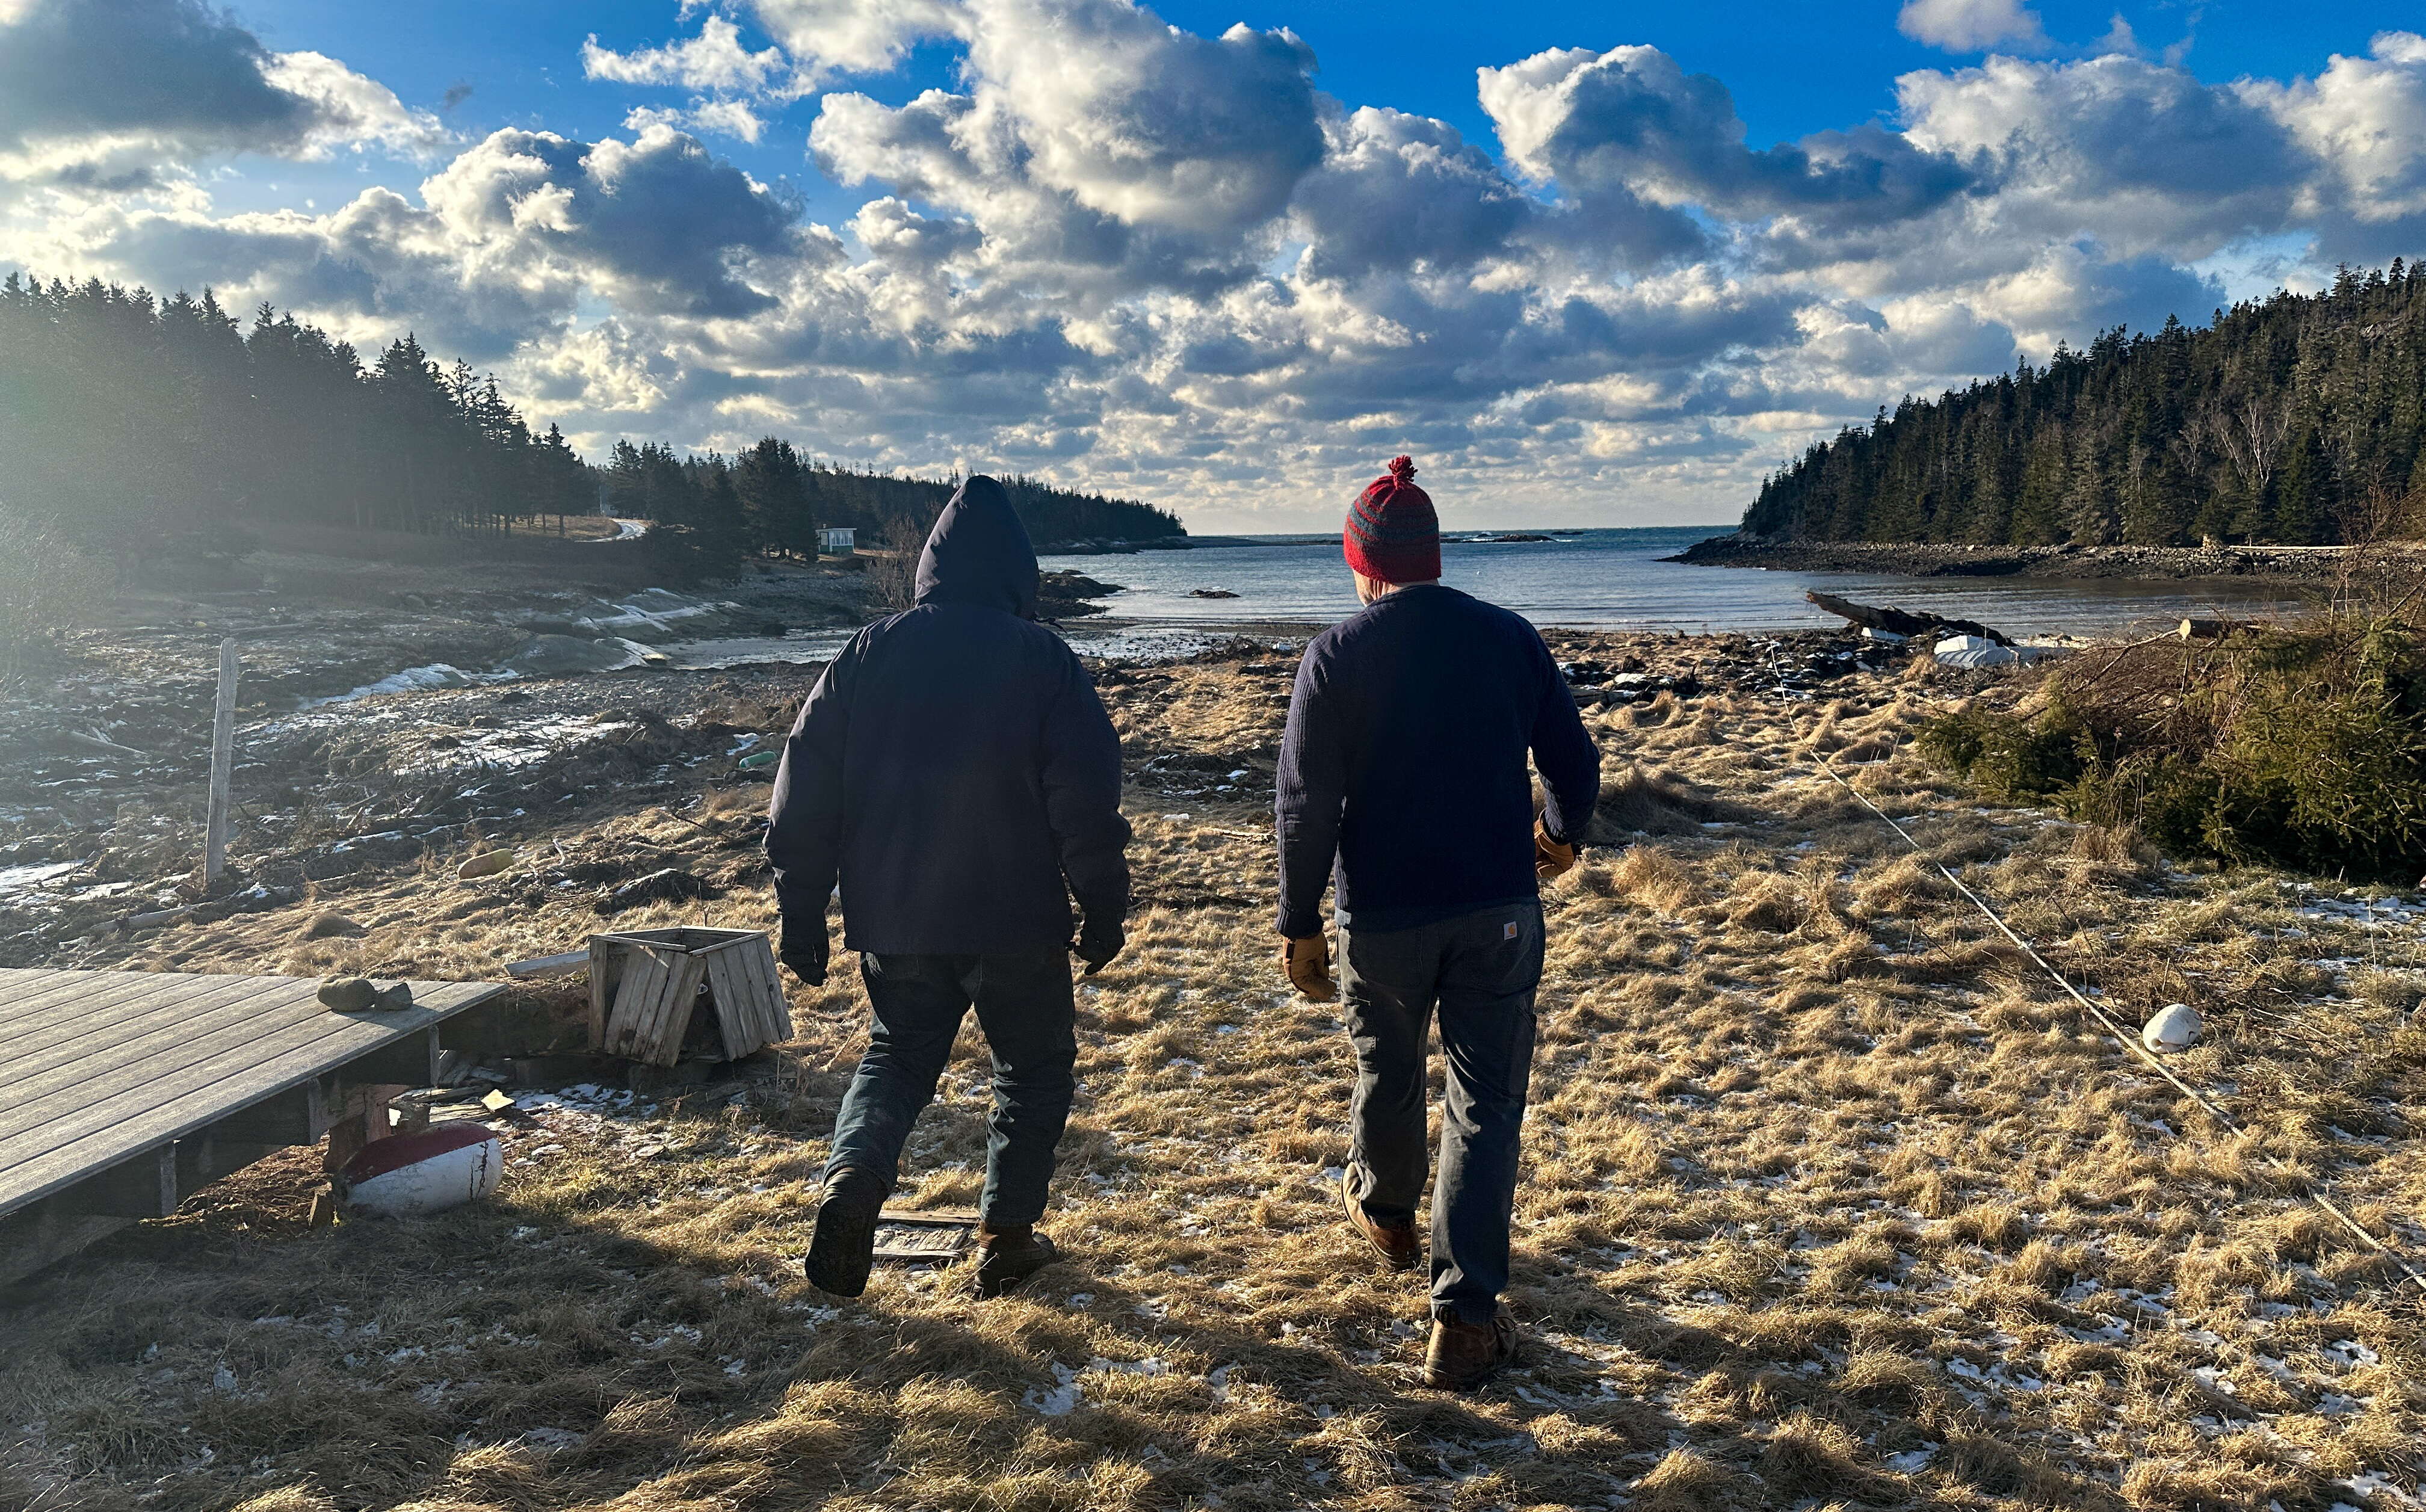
(1643, 255)
(1792, 68)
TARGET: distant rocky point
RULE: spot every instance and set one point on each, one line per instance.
(1106, 547)
(1064, 594)
(2314, 564)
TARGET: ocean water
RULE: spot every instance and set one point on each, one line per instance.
(1614, 579)
(1583, 579)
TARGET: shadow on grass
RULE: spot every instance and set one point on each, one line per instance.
(537, 1353)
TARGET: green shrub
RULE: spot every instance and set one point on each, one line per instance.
(2009, 758)
(2302, 747)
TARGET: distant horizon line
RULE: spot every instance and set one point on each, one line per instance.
(1464, 534)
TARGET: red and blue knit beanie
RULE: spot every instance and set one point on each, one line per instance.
(1392, 535)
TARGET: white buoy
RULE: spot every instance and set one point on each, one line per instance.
(411, 1176)
(2175, 1027)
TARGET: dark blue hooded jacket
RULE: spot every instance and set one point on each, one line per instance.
(953, 767)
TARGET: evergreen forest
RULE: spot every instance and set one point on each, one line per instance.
(131, 423)
(134, 427)
(2295, 420)
(770, 498)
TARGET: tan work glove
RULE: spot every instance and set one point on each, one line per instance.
(1551, 858)
(1307, 962)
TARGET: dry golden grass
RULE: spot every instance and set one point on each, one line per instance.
(1827, 1203)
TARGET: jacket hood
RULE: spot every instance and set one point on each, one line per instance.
(979, 553)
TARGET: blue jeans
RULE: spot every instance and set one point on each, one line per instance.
(1024, 1006)
(1479, 973)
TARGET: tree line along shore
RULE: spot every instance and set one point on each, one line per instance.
(2321, 566)
(2298, 420)
(135, 429)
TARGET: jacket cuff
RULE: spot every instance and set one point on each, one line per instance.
(1294, 925)
(803, 907)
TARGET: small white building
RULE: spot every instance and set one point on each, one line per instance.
(836, 541)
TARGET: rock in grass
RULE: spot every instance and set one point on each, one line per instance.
(2175, 1027)
(349, 994)
(326, 925)
(487, 863)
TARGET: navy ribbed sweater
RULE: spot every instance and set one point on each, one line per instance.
(1404, 764)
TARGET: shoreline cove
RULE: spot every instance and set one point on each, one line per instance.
(2310, 564)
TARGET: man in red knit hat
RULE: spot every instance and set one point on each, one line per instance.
(1403, 769)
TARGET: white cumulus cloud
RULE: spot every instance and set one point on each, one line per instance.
(714, 59)
(1125, 255)
(829, 37)
(1974, 26)
(109, 94)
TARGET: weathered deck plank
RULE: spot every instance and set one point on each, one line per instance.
(104, 1066)
(80, 1000)
(232, 1001)
(56, 1080)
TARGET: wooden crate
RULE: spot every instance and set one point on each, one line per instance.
(645, 986)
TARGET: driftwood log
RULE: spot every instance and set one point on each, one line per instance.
(1904, 622)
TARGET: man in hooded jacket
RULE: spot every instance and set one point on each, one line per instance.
(955, 771)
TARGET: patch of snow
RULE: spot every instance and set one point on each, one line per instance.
(414, 679)
(1060, 1401)
(657, 610)
(26, 879)
(2375, 1483)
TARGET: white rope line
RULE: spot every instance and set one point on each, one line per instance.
(2122, 1036)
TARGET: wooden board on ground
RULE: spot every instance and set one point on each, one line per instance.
(121, 1091)
(924, 1238)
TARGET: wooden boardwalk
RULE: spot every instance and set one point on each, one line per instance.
(123, 1091)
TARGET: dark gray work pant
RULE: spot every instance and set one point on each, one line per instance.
(1025, 1007)
(1478, 972)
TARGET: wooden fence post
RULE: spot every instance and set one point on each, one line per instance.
(222, 760)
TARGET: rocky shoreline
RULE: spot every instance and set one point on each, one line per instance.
(2289, 564)
(1130, 548)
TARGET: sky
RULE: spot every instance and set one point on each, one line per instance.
(1586, 264)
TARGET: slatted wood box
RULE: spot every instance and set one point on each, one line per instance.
(646, 987)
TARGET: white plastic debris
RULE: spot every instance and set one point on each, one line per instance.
(1974, 650)
(1888, 638)
(2175, 1027)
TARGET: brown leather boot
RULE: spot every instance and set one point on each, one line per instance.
(1400, 1247)
(843, 1245)
(1006, 1257)
(1464, 1355)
